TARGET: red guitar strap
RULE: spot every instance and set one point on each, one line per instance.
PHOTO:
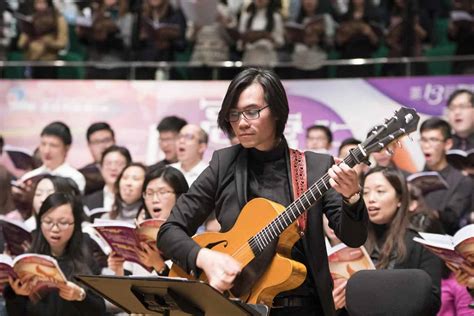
(299, 182)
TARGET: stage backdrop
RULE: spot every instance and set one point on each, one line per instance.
(133, 108)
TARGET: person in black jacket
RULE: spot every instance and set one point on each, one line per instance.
(255, 109)
(60, 236)
(390, 240)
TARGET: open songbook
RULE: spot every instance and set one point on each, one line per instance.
(456, 249)
(43, 272)
(16, 235)
(460, 159)
(345, 261)
(124, 238)
(428, 181)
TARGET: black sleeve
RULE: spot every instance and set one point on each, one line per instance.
(190, 211)
(349, 222)
(15, 304)
(91, 305)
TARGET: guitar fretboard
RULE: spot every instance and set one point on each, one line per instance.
(274, 229)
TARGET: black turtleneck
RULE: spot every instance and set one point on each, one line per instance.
(267, 169)
(268, 178)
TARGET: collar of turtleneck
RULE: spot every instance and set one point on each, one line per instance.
(271, 155)
(129, 211)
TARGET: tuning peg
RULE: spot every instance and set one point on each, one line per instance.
(399, 144)
(389, 151)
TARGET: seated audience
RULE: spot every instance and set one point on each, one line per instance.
(261, 32)
(405, 37)
(44, 38)
(107, 35)
(211, 43)
(162, 33)
(358, 37)
(309, 50)
(7, 31)
(461, 31)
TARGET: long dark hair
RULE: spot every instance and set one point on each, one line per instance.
(302, 13)
(6, 197)
(118, 202)
(271, 8)
(75, 250)
(274, 93)
(394, 240)
(172, 176)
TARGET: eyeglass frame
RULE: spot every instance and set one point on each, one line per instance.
(431, 141)
(463, 106)
(57, 224)
(156, 193)
(245, 113)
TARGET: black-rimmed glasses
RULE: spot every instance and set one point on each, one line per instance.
(252, 114)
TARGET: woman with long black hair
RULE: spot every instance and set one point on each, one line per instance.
(59, 236)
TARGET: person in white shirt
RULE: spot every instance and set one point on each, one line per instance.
(56, 139)
(191, 144)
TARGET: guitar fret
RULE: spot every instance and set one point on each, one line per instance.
(307, 200)
(301, 202)
(324, 183)
(281, 225)
(317, 187)
(259, 244)
(271, 225)
(264, 237)
(314, 197)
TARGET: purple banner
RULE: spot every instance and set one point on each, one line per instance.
(427, 95)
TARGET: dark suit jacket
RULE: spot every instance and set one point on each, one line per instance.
(453, 203)
(222, 188)
(94, 180)
(420, 258)
(94, 202)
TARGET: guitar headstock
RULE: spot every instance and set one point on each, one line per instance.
(403, 122)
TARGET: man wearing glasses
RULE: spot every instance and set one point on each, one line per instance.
(461, 118)
(452, 205)
(255, 109)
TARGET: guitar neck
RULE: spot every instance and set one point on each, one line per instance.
(274, 229)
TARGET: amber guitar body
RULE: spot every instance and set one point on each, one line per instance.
(282, 274)
(263, 235)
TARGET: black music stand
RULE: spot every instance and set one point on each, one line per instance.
(167, 296)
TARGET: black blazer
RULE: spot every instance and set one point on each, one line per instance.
(222, 188)
(94, 203)
(419, 258)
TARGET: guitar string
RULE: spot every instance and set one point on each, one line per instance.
(257, 239)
